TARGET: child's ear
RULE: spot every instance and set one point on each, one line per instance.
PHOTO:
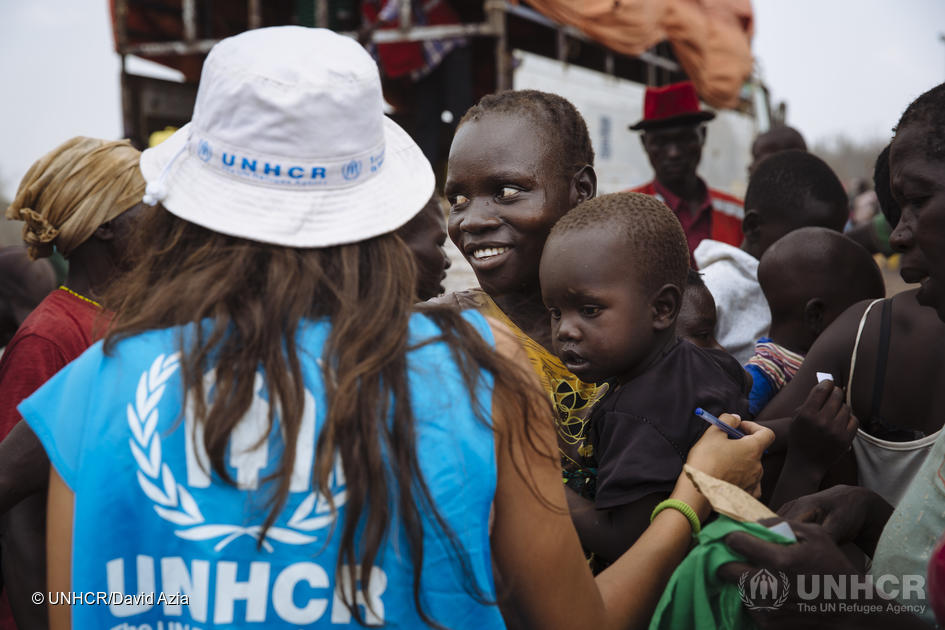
(814, 316)
(666, 306)
(583, 185)
(751, 225)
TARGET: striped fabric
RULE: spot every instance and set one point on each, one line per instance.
(777, 363)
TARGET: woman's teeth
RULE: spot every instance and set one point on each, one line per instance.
(488, 252)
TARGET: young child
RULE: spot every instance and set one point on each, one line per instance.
(809, 278)
(612, 276)
(697, 318)
(789, 190)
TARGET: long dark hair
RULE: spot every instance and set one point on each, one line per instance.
(255, 295)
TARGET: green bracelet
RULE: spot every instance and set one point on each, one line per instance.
(682, 507)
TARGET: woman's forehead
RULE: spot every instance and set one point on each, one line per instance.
(499, 144)
(910, 161)
(509, 129)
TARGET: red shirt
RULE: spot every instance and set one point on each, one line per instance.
(55, 333)
(719, 217)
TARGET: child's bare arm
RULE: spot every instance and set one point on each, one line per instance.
(24, 467)
(609, 533)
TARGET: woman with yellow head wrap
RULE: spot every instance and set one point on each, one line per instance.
(72, 190)
(78, 198)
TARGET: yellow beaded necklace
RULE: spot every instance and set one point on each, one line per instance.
(81, 297)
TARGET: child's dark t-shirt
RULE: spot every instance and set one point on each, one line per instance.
(642, 431)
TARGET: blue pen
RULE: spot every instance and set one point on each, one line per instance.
(708, 417)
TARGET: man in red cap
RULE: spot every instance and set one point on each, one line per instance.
(673, 129)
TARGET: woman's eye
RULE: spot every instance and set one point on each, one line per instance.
(507, 192)
(458, 200)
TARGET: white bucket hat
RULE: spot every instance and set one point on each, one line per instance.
(289, 145)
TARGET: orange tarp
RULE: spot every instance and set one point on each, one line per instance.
(711, 38)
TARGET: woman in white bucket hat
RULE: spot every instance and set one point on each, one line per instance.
(272, 435)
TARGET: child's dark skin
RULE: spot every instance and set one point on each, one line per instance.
(697, 317)
(809, 278)
(604, 326)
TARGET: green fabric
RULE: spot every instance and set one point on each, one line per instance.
(882, 230)
(695, 598)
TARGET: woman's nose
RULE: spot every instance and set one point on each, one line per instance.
(479, 216)
(902, 237)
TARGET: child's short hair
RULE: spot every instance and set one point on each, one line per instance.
(785, 183)
(656, 245)
(694, 278)
(564, 123)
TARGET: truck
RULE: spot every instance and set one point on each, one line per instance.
(513, 46)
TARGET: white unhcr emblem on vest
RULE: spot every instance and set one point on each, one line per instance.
(173, 501)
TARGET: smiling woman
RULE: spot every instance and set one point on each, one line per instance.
(519, 161)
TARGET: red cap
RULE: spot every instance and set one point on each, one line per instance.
(671, 105)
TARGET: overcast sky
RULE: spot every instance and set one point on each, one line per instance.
(843, 67)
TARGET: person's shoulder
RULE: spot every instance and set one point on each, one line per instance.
(427, 321)
(45, 316)
(64, 321)
(728, 364)
(833, 347)
(683, 362)
(460, 300)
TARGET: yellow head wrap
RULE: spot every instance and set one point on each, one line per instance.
(72, 190)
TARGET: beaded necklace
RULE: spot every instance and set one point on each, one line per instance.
(80, 296)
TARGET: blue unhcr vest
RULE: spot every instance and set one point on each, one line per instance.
(162, 543)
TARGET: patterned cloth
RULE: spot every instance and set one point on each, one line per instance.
(772, 367)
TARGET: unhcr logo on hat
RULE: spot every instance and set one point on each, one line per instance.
(351, 170)
(285, 171)
(204, 152)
